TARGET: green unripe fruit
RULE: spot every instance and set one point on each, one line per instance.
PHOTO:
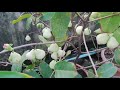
(40, 25)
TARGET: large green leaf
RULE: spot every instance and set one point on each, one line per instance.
(106, 70)
(91, 74)
(47, 15)
(117, 56)
(11, 74)
(65, 69)
(28, 22)
(109, 24)
(45, 70)
(116, 34)
(59, 25)
(24, 16)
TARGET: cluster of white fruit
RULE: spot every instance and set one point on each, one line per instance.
(109, 39)
(35, 54)
(87, 31)
(56, 53)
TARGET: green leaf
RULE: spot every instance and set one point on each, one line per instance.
(24, 16)
(116, 34)
(47, 15)
(28, 23)
(16, 67)
(117, 56)
(11, 74)
(78, 76)
(65, 69)
(91, 74)
(59, 25)
(32, 73)
(45, 70)
(109, 24)
(106, 70)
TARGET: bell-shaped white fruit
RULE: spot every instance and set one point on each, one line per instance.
(27, 38)
(52, 64)
(98, 31)
(15, 57)
(102, 38)
(39, 54)
(79, 30)
(54, 56)
(61, 53)
(53, 48)
(70, 24)
(87, 31)
(46, 29)
(31, 55)
(112, 43)
(47, 34)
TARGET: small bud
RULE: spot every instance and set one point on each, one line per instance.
(70, 24)
(61, 53)
(79, 30)
(40, 25)
(98, 31)
(52, 64)
(87, 31)
(7, 47)
(27, 38)
(54, 56)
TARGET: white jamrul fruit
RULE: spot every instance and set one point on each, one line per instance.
(47, 34)
(54, 56)
(15, 57)
(52, 64)
(31, 55)
(102, 38)
(27, 38)
(53, 48)
(112, 43)
(39, 54)
(98, 31)
(79, 30)
(61, 53)
(87, 31)
(46, 29)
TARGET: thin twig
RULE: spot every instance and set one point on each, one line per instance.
(82, 68)
(89, 56)
(96, 64)
(31, 44)
(104, 17)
